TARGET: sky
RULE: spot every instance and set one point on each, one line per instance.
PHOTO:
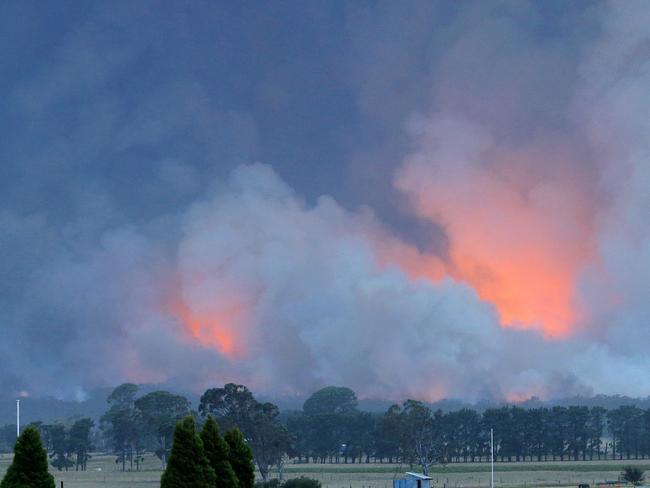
(425, 199)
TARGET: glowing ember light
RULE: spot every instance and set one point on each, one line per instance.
(216, 329)
(529, 277)
(518, 397)
(527, 288)
(519, 224)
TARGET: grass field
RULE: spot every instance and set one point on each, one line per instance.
(103, 472)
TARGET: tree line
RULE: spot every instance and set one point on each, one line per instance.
(202, 459)
(68, 445)
(330, 428)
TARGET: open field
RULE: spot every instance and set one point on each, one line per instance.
(103, 472)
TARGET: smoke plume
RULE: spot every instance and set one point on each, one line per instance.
(452, 199)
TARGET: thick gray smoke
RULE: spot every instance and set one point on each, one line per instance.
(141, 240)
(612, 108)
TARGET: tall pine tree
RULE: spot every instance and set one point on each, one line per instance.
(29, 467)
(241, 458)
(188, 467)
(218, 454)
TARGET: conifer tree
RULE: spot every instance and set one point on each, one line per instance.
(218, 454)
(188, 467)
(29, 466)
(241, 458)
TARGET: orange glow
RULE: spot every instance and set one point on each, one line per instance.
(527, 281)
(518, 237)
(216, 329)
(411, 261)
(518, 397)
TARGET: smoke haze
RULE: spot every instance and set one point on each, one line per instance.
(435, 200)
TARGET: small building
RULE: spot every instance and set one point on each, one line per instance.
(413, 480)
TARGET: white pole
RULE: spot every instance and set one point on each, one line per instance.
(491, 458)
(17, 418)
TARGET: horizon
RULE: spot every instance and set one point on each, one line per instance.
(93, 405)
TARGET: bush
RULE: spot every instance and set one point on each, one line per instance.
(633, 475)
(301, 482)
(274, 483)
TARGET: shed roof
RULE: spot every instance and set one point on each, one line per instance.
(418, 476)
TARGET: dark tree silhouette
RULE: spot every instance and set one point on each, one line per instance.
(29, 466)
(633, 474)
(241, 458)
(188, 466)
(218, 454)
(80, 443)
(159, 412)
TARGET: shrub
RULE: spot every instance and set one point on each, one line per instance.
(633, 475)
(274, 483)
(301, 482)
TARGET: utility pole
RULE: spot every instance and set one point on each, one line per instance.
(491, 458)
(17, 418)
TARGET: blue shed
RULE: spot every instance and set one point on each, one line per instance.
(413, 480)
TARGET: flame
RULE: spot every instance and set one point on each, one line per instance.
(216, 328)
(528, 283)
(518, 237)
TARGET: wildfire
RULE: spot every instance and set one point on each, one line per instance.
(526, 287)
(518, 397)
(519, 229)
(216, 328)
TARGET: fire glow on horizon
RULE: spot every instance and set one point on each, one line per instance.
(216, 330)
(316, 284)
(518, 244)
(519, 222)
